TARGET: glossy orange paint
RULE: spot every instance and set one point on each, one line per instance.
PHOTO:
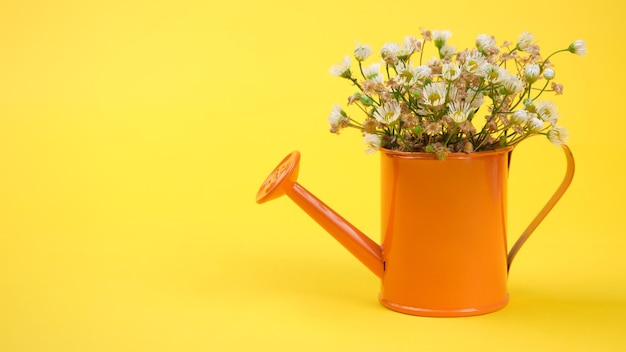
(443, 226)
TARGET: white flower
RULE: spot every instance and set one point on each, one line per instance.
(389, 52)
(485, 43)
(447, 51)
(496, 74)
(535, 124)
(475, 99)
(372, 73)
(525, 41)
(512, 85)
(405, 74)
(337, 115)
(440, 37)
(342, 69)
(547, 111)
(475, 63)
(548, 73)
(407, 49)
(558, 135)
(520, 117)
(531, 73)
(413, 43)
(388, 112)
(434, 94)
(578, 47)
(459, 111)
(372, 141)
(450, 71)
(362, 52)
(422, 72)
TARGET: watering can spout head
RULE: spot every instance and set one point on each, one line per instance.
(282, 181)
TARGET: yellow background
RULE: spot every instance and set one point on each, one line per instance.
(135, 134)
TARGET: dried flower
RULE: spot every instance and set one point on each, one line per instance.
(557, 88)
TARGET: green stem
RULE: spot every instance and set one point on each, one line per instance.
(542, 90)
(549, 56)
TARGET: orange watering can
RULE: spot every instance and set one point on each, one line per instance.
(443, 224)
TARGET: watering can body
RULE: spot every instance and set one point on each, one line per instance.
(443, 226)
(443, 249)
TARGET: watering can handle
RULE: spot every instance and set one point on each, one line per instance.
(569, 175)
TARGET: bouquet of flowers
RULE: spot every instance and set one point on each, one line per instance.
(417, 105)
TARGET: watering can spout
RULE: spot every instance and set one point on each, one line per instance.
(282, 181)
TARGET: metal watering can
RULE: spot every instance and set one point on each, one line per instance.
(443, 250)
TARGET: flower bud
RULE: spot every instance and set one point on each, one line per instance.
(362, 52)
(440, 37)
(531, 73)
(548, 73)
(578, 47)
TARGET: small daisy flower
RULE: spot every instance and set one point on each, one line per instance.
(440, 37)
(405, 74)
(512, 85)
(388, 113)
(342, 69)
(525, 40)
(547, 111)
(362, 52)
(407, 48)
(413, 43)
(578, 47)
(496, 74)
(447, 51)
(434, 94)
(531, 73)
(475, 63)
(422, 72)
(485, 43)
(459, 111)
(450, 71)
(558, 135)
(475, 99)
(389, 52)
(337, 118)
(372, 141)
(372, 73)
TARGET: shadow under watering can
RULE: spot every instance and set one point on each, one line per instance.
(443, 226)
